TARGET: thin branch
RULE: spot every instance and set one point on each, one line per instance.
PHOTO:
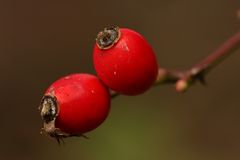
(184, 79)
(219, 55)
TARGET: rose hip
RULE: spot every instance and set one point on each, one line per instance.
(124, 61)
(74, 105)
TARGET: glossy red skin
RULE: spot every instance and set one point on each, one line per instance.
(129, 66)
(83, 100)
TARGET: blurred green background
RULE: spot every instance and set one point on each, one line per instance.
(42, 40)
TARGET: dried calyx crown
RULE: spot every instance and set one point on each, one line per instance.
(108, 37)
(49, 111)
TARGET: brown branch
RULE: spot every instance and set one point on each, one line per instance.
(184, 79)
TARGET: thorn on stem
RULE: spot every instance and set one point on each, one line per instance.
(201, 78)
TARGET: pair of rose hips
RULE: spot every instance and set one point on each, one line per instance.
(78, 103)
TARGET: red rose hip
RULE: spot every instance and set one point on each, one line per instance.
(124, 61)
(74, 105)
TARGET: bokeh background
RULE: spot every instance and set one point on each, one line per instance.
(41, 40)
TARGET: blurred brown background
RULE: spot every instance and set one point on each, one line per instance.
(41, 41)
